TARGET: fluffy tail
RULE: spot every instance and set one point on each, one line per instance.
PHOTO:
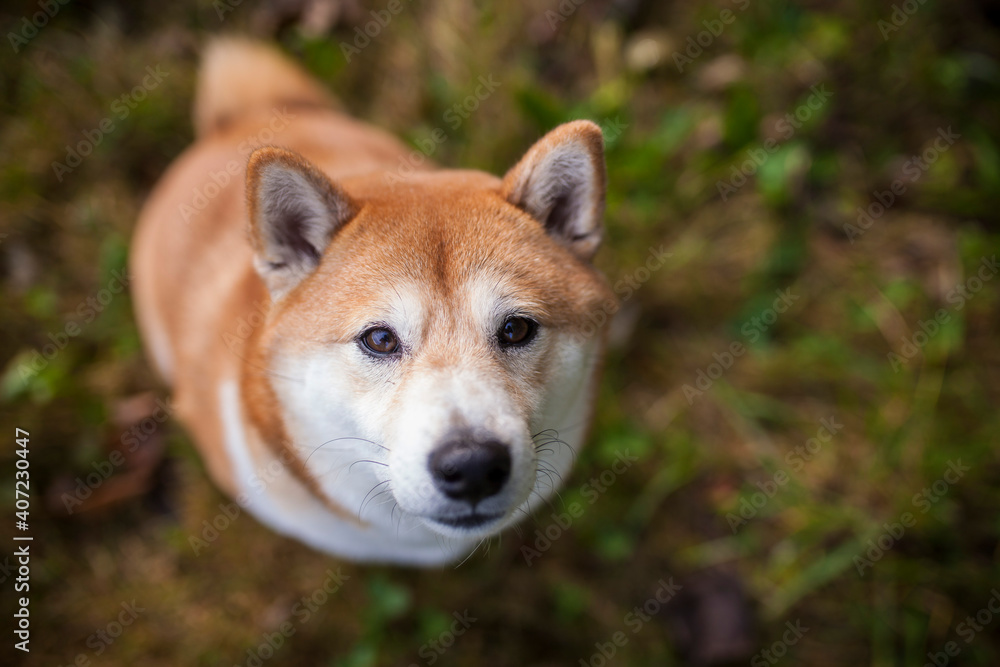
(239, 75)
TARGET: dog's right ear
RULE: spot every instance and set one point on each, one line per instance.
(560, 182)
(294, 212)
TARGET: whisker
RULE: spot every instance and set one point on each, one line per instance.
(378, 463)
(551, 482)
(471, 553)
(544, 500)
(399, 521)
(543, 467)
(550, 436)
(556, 442)
(361, 509)
(346, 437)
(546, 467)
(379, 495)
(269, 372)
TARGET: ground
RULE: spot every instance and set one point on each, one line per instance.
(802, 230)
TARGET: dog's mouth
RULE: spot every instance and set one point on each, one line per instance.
(472, 521)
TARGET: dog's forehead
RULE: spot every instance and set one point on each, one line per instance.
(437, 246)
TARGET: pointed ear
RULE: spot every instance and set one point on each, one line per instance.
(294, 212)
(560, 182)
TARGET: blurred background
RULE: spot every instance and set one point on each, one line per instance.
(807, 382)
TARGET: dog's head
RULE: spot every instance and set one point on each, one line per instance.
(435, 339)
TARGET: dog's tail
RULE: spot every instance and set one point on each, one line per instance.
(239, 76)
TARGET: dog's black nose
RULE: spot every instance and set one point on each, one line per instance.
(470, 471)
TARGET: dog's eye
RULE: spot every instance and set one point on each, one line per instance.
(380, 340)
(516, 331)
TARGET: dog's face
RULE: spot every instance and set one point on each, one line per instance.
(434, 341)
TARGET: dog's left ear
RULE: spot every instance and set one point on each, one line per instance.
(294, 212)
(560, 182)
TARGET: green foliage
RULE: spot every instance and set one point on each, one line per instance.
(795, 221)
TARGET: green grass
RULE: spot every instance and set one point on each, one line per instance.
(700, 454)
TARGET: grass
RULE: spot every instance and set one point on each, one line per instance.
(703, 503)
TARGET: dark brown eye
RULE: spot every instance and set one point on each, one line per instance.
(380, 340)
(516, 331)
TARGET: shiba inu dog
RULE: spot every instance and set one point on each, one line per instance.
(386, 368)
